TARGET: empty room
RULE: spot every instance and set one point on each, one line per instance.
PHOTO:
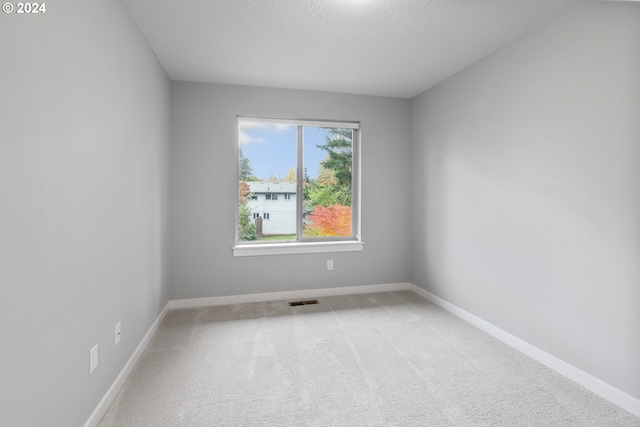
(320, 212)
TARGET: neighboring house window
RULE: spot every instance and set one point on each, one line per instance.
(256, 215)
(314, 163)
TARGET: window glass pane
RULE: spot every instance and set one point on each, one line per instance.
(328, 159)
(267, 164)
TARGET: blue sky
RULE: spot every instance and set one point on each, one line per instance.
(271, 148)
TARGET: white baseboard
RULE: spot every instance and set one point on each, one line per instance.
(108, 398)
(599, 387)
(288, 295)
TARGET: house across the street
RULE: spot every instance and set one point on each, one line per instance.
(275, 203)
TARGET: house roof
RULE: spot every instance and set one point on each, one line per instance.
(272, 187)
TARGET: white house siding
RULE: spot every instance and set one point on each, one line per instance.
(281, 212)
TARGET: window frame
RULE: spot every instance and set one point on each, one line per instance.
(304, 244)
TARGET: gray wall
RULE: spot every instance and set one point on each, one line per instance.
(526, 179)
(84, 140)
(204, 195)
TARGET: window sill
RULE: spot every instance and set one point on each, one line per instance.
(295, 248)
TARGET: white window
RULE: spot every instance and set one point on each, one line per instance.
(320, 162)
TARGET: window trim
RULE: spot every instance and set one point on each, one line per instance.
(307, 244)
(296, 247)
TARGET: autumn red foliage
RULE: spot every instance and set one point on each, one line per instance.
(332, 220)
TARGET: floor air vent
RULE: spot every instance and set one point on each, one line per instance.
(308, 302)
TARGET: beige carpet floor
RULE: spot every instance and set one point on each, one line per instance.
(384, 359)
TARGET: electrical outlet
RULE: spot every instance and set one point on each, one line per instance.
(329, 264)
(93, 359)
(118, 333)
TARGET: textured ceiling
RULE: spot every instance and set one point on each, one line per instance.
(394, 48)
